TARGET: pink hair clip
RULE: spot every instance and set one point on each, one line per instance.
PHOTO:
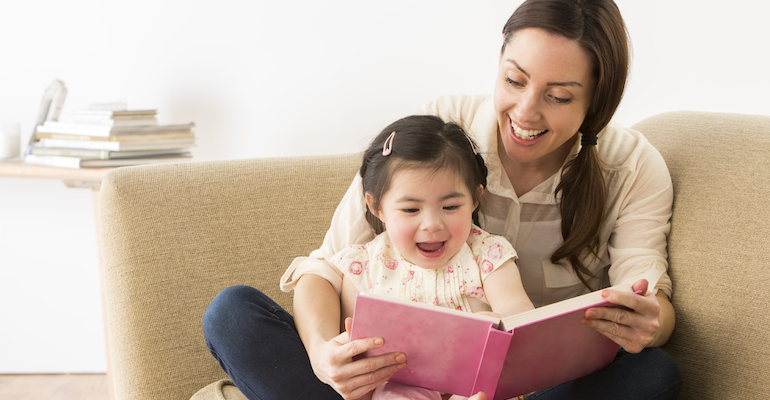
(388, 146)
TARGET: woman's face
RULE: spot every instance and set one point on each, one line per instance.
(542, 93)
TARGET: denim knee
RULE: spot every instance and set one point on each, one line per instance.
(226, 313)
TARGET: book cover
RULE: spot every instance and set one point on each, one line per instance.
(464, 353)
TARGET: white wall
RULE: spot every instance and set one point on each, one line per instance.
(273, 78)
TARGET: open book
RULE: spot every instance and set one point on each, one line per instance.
(463, 353)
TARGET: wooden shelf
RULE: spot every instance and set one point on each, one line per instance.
(90, 178)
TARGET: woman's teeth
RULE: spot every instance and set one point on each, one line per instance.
(526, 134)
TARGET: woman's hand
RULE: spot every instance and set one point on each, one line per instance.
(647, 322)
(333, 364)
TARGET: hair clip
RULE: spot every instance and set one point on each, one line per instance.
(388, 146)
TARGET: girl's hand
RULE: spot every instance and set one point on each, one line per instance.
(333, 364)
(641, 325)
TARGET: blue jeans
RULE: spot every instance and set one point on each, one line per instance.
(257, 345)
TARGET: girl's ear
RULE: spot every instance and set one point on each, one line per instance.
(481, 192)
(370, 205)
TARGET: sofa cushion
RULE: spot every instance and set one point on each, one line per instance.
(223, 389)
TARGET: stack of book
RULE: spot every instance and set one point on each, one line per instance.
(106, 138)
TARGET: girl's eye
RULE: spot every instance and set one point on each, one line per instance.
(410, 210)
(514, 83)
(451, 208)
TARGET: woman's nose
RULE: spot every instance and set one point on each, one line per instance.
(528, 107)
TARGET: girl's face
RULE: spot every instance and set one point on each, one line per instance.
(427, 214)
(542, 93)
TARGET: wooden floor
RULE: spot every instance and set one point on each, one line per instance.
(53, 387)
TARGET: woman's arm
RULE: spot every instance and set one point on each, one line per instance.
(317, 318)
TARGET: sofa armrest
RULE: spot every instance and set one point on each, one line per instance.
(174, 235)
(718, 249)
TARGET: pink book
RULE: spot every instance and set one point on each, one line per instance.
(463, 353)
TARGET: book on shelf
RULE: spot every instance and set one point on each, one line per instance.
(147, 137)
(463, 353)
(115, 146)
(85, 129)
(103, 154)
(75, 162)
(114, 118)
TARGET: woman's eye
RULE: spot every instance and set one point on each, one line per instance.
(514, 83)
(561, 100)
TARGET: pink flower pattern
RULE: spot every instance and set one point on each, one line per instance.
(356, 268)
(495, 251)
(378, 267)
(487, 267)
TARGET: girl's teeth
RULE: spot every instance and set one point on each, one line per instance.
(525, 134)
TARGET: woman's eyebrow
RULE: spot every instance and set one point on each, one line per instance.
(568, 83)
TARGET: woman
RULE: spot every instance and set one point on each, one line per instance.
(586, 204)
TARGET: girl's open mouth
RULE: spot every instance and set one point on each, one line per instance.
(434, 249)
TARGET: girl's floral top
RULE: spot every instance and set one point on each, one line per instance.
(379, 268)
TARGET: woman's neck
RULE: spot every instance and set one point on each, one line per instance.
(525, 176)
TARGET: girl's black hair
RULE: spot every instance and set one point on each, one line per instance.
(421, 141)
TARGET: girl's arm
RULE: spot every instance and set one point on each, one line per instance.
(505, 292)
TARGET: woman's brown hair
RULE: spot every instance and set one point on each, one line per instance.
(599, 28)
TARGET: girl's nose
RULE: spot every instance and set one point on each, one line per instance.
(432, 223)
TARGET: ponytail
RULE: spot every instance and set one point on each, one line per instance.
(583, 193)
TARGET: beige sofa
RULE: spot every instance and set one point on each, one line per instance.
(175, 235)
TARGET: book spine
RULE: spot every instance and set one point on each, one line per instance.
(80, 144)
(58, 136)
(53, 161)
(492, 362)
(78, 153)
(96, 130)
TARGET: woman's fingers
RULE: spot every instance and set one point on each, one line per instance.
(632, 326)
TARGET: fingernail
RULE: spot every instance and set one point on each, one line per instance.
(400, 358)
(605, 293)
(378, 342)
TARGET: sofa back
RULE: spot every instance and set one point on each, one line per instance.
(718, 249)
(176, 235)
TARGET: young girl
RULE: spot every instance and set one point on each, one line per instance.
(422, 181)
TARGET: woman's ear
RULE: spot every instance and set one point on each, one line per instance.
(370, 204)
